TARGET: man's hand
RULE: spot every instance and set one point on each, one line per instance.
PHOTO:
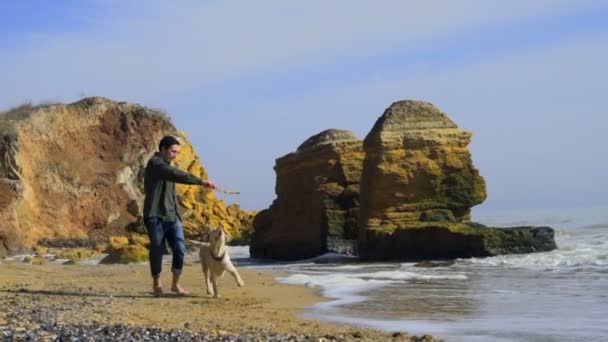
(209, 183)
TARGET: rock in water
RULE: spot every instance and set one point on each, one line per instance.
(405, 193)
(417, 168)
(450, 240)
(417, 189)
(317, 198)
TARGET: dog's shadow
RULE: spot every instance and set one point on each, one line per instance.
(94, 294)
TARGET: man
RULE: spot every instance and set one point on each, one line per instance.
(161, 216)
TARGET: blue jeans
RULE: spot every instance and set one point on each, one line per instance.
(173, 232)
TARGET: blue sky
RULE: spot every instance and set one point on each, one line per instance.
(251, 80)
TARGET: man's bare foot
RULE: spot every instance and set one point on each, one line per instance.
(179, 290)
(158, 291)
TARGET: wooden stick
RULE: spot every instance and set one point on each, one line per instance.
(226, 191)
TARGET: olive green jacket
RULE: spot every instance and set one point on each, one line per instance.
(159, 188)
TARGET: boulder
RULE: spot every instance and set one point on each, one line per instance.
(317, 198)
(417, 168)
(451, 240)
(126, 254)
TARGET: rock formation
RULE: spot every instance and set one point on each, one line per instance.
(417, 187)
(450, 240)
(317, 198)
(75, 172)
(417, 168)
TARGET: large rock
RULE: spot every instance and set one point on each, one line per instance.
(450, 240)
(76, 171)
(126, 254)
(417, 189)
(76, 254)
(317, 198)
(407, 193)
(417, 168)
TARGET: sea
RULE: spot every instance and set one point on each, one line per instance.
(560, 295)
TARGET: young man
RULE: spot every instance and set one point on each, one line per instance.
(161, 216)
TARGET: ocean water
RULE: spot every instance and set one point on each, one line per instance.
(560, 295)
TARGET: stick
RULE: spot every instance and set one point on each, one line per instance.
(226, 191)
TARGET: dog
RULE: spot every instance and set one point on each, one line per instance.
(215, 261)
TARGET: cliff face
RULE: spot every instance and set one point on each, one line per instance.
(317, 198)
(76, 171)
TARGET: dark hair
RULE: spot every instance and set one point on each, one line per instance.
(167, 141)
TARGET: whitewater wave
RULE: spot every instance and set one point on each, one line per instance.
(343, 285)
(576, 249)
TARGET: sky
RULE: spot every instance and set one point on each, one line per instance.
(249, 81)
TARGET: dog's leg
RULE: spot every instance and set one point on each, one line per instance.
(216, 293)
(206, 275)
(230, 268)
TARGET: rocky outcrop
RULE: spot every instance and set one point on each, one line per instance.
(76, 172)
(125, 250)
(76, 254)
(450, 240)
(317, 198)
(406, 194)
(417, 189)
(417, 168)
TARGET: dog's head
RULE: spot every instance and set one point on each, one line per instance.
(217, 236)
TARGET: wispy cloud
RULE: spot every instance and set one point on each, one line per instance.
(157, 49)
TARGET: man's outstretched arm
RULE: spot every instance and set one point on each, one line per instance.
(176, 175)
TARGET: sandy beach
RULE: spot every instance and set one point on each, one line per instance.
(46, 300)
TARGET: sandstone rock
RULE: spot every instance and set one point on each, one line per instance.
(417, 168)
(76, 254)
(447, 240)
(407, 193)
(317, 198)
(140, 240)
(126, 254)
(262, 233)
(417, 189)
(118, 241)
(76, 171)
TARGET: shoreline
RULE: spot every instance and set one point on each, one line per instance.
(120, 295)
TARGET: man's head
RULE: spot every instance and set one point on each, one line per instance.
(169, 147)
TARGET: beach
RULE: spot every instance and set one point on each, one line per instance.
(114, 302)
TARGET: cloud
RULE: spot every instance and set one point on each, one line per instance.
(142, 52)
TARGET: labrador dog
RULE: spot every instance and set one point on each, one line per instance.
(215, 260)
